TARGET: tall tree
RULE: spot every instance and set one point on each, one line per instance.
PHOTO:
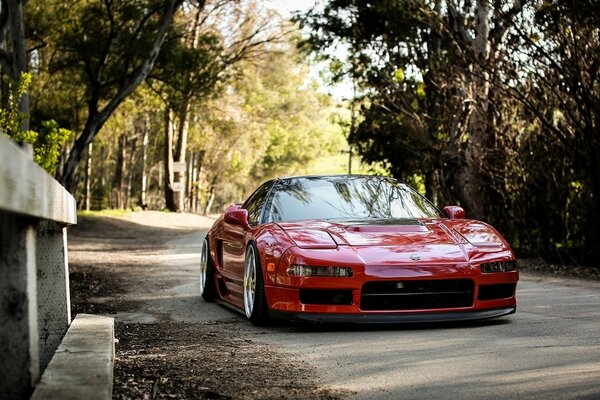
(188, 70)
(212, 40)
(558, 57)
(111, 47)
(414, 61)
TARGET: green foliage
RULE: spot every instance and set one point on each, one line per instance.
(399, 75)
(293, 117)
(103, 213)
(399, 124)
(11, 117)
(95, 44)
(183, 72)
(46, 143)
(271, 121)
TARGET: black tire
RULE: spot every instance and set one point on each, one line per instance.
(208, 287)
(260, 308)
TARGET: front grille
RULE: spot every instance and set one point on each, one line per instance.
(326, 296)
(496, 292)
(417, 294)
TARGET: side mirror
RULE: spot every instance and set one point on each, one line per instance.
(454, 212)
(237, 216)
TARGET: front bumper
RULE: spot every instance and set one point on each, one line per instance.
(387, 318)
(390, 291)
(288, 302)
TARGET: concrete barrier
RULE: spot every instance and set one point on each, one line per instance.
(82, 367)
(34, 285)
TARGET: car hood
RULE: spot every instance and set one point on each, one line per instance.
(401, 240)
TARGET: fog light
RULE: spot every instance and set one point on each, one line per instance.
(499, 266)
(306, 270)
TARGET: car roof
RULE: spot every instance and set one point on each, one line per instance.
(345, 176)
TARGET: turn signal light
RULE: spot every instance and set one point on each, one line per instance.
(306, 270)
(499, 266)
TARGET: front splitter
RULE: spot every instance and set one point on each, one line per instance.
(393, 318)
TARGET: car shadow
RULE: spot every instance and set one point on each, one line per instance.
(309, 327)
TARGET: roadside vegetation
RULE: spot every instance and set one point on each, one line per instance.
(189, 105)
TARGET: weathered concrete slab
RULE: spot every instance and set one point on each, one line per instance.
(54, 303)
(19, 368)
(82, 367)
(28, 190)
(34, 287)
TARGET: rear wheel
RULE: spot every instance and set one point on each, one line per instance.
(255, 302)
(207, 274)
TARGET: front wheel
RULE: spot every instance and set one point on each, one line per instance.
(255, 302)
(207, 274)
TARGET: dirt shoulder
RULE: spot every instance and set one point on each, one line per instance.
(127, 267)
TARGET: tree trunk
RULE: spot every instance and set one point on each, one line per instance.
(161, 172)
(119, 173)
(88, 178)
(209, 200)
(180, 155)
(143, 201)
(180, 195)
(130, 172)
(473, 184)
(168, 161)
(19, 54)
(198, 169)
(190, 179)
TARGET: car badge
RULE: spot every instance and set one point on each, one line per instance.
(415, 257)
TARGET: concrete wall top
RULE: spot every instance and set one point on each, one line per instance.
(27, 189)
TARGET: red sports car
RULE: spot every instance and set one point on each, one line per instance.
(354, 248)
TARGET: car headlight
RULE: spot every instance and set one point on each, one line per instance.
(499, 266)
(307, 270)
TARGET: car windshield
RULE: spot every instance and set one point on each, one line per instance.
(346, 198)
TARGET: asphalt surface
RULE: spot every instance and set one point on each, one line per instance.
(549, 349)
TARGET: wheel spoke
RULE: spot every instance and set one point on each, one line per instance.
(203, 266)
(249, 281)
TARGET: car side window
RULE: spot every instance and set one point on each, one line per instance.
(255, 203)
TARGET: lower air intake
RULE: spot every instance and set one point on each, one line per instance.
(326, 297)
(496, 292)
(417, 294)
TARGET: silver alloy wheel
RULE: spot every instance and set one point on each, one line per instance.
(249, 281)
(203, 266)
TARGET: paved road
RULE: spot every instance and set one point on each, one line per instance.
(550, 349)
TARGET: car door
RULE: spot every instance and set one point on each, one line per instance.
(234, 238)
